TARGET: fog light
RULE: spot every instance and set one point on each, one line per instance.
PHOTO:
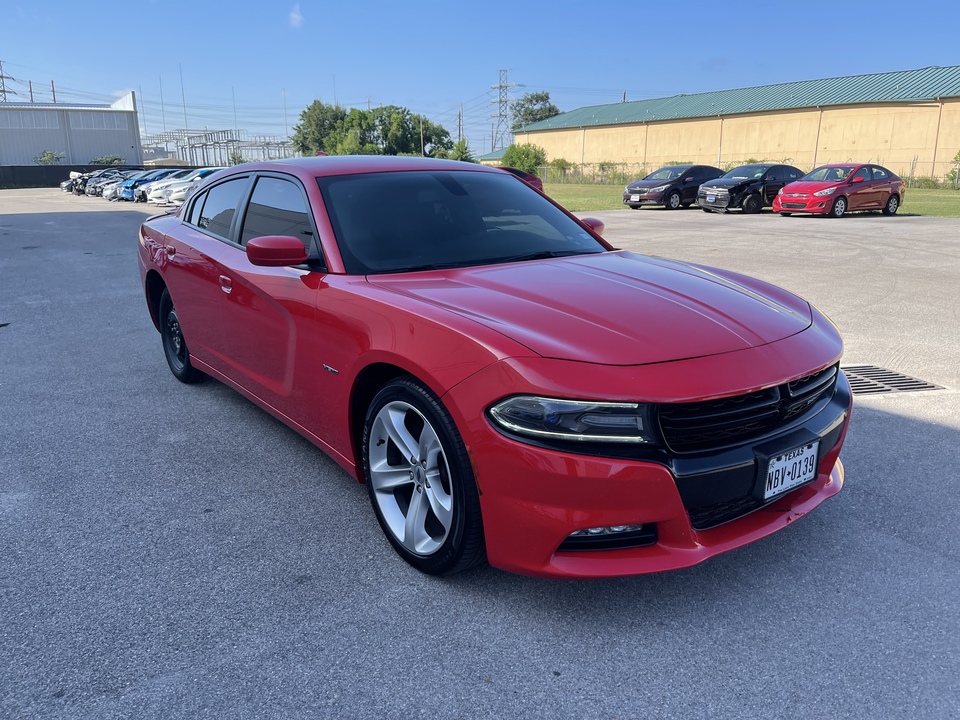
(614, 537)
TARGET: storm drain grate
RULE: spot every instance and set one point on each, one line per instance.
(873, 380)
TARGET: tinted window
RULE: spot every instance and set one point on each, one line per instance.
(746, 172)
(277, 207)
(791, 174)
(861, 173)
(404, 221)
(667, 173)
(775, 174)
(220, 206)
(880, 174)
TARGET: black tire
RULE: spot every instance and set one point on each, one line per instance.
(706, 210)
(634, 207)
(174, 346)
(448, 536)
(752, 204)
(672, 201)
(686, 205)
(893, 204)
(839, 207)
(783, 214)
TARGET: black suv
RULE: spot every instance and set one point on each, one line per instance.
(670, 186)
(749, 187)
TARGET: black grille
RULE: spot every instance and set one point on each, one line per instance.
(793, 205)
(715, 424)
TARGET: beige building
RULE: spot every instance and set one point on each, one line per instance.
(908, 121)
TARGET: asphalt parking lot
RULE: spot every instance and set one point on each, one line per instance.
(171, 551)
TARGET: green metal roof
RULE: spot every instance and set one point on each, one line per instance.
(495, 155)
(903, 86)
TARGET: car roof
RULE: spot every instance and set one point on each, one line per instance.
(352, 164)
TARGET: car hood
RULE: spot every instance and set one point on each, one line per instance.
(726, 182)
(642, 184)
(807, 186)
(614, 308)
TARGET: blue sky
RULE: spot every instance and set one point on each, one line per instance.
(270, 59)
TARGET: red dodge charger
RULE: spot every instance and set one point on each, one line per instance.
(507, 385)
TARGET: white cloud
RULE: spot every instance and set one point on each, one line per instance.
(296, 19)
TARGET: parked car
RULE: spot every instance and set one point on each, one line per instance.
(129, 188)
(178, 192)
(837, 189)
(140, 193)
(506, 384)
(111, 190)
(748, 187)
(528, 178)
(672, 186)
(159, 190)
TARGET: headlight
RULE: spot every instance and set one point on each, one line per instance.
(780, 191)
(574, 420)
(827, 191)
(657, 189)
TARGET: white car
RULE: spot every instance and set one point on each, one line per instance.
(176, 193)
(158, 193)
(142, 192)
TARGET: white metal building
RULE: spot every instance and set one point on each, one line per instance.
(79, 133)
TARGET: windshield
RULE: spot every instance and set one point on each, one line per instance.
(747, 172)
(828, 173)
(668, 173)
(424, 220)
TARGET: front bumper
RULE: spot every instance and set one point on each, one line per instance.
(642, 198)
(716, 200)
(533, 498)
(802, 204)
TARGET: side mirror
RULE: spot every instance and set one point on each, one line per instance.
(857, 179)
(594, 224)
(276, 251)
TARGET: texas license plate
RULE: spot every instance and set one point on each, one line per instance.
(711, 198)
(791, 469)
(634, 198)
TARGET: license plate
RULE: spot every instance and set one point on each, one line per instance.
(711, 198)
(634, 198)
(791, 469)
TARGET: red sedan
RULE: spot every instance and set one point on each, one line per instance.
(507, 385)
(835, 190)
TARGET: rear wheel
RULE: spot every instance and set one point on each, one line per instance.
(893, 204)
(839, 207)
(752, 204)
(174, 346)
(420, 480)
(673, 200)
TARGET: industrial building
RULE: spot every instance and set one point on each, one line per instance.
(77, 134)
(908, 121)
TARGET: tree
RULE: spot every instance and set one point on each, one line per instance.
(108, 160)
(525, 157)
(49, 157)
(317, 121)
(532, 107)
(461, 151)
(236, 158)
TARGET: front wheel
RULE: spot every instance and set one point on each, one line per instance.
(893, 204)
(752, 204)
(783, 214)
(420, 480)
(673, 200)
(174, 346)
(839, 207)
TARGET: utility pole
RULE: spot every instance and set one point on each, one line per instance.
(4, 90)
(503, 111)
(53, 91)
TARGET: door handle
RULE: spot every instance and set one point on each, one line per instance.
(226, 284)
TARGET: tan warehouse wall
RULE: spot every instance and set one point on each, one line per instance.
(926, 135)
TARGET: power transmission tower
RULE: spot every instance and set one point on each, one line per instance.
(4, 91)
(503, 111)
